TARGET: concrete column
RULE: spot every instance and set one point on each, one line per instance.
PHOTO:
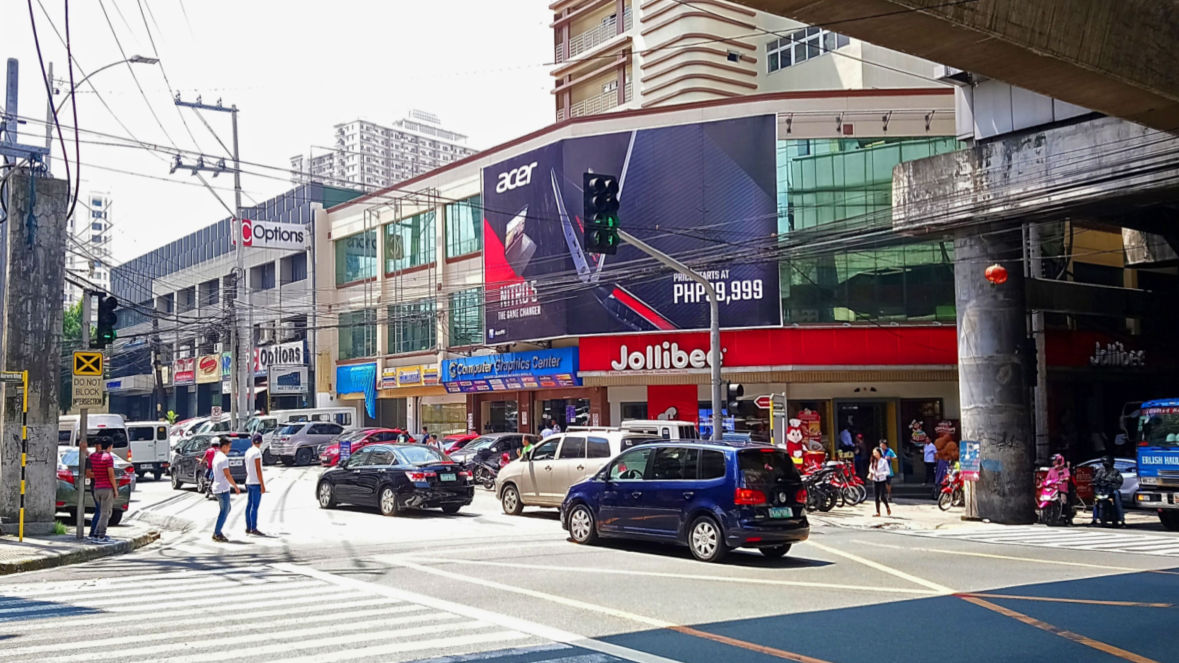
(32, 342)
(994, 396)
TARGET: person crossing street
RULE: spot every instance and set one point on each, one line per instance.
(222, 481)
(255, 484)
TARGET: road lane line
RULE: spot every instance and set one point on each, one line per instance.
(939, 589)
(1047, 599)
(1013, 558)
(613, 612)
(683, 576)
(450, 642)
(506, 621)
(1068, 635)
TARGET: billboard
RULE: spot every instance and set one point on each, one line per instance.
(274, 235)
(695, 191)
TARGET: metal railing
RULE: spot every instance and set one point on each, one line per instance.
(594, 105)
(587, 40)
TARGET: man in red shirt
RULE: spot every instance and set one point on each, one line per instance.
(102, 472)
(207, 461)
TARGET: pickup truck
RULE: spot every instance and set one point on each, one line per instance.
(1158, 459)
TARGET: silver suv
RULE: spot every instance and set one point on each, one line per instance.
(300, 443)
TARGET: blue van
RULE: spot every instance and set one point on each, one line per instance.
(709, 496)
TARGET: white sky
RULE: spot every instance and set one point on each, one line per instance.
(293, 68)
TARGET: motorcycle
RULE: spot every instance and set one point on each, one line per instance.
(952, 492)
(1053, 503)
(821, 494)
(1103, 507)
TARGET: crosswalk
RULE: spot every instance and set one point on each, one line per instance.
(1072, 538)
(257, 613)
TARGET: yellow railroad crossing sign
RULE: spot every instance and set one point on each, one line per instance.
(88, 363)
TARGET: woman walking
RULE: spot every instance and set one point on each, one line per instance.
(879, 470)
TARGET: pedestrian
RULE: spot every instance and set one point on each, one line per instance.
(864, 456)
(102, 476)
(929, 452)
(879, 470)
(222, 480)
(207, 460)
(554, 427)
(845, 440)
(425, 433)
(255, 484)
(527, 446)
(433, 440)
(546, 432)
(889, 455)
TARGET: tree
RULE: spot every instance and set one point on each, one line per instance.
(71, 339)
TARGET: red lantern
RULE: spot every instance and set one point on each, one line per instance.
(997, 274)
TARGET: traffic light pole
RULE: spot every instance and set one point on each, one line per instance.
(83, 426)
(714, 344)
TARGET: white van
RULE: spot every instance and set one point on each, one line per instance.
(667, 430)
(149, 448)
(111, 425)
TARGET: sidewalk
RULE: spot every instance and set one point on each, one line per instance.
(43, 552)
(911, 514)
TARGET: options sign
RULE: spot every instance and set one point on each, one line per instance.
(273, 235)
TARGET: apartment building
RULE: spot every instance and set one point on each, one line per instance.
(627, 54)
(88, 255)
(369, 156)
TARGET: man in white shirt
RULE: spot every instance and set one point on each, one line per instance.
(930, 457)
(222, 481)
(255, 485)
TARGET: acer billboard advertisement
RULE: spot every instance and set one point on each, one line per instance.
(692, 191)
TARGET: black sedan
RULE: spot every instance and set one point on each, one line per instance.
(397, 477)
(187, 456)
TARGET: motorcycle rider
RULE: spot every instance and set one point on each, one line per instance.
(1058, 481)
(1108, 480)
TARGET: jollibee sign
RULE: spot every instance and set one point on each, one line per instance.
(273, 235)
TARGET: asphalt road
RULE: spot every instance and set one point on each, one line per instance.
(349, 584)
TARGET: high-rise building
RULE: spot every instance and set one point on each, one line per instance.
(623, 54)
(89, 246)
(370, 156)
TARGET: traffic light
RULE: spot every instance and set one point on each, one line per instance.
(105, 334)
(733, 392)
(600, 195)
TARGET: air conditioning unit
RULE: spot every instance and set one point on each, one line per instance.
(265, 335)
(288, 331)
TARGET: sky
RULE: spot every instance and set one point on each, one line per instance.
(294, 69)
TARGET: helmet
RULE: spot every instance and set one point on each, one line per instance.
(1057, 459)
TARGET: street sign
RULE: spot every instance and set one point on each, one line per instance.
(12, 376)
(763, 402)
(88, 391)
(215, 414)
(88, 363)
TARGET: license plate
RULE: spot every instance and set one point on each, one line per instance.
(235, 462)
(446, 477)
(781, 512)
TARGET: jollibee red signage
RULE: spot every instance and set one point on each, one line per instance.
(786, 346)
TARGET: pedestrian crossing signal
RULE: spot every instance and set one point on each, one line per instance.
(600, 211)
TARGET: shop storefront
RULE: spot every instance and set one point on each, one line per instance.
(419, 393)
(525, 391)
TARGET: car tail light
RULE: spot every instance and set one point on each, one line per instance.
(60, 505)
(65, 475)
(420, 476)
(1142, 443)
(124, 480)
(800, 496)
(130, 469)
(465, 474)
(748, 496)
(128, 454)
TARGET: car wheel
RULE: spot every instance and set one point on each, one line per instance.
(303, 456)
(327, 496)
(116, 517)
(706, 541)
(510, 501)
(582, 528)
(388, 501)
(158, 474)
(775, 552)
(268, 458)
(176, 482)
(451, 508)
(202, 484)
(1170, 520)
(287, 461)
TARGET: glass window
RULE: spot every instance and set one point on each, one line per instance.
(764, 469)
(712, 464)
(674, 464)
(547, 450)
(574, 447)
(800, 46)
(356, 257)
(632, 465)
(357, 334)
(633, 411)
(410, 242)
(419, 455)
(361, 457)
(290, 429)
(294, 268)
(628, 442)
(466, 317)
(598, 447)
(412, 326)
(383, 456)
(464, 227)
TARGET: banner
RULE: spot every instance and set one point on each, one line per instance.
(184, 371)
(418, 375)
(272, 235)
(208, 369)
(287, 380)
(283, 354)
(694, 191)
(533, 369)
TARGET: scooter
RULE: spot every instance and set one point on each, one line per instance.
(1053, 503)
(1103, 507)
(952, 493)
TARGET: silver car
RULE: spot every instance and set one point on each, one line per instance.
(301, 443)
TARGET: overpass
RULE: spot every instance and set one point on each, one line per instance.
(1115, 57)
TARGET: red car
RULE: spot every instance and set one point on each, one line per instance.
(452, 443)
(359, 439)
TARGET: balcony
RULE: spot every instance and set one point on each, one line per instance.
(589, 39)
(594, 105)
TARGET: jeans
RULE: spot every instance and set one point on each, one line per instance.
(104, 503)
(253, 499)
(223, 503)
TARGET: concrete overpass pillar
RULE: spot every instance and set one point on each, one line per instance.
(994, 398)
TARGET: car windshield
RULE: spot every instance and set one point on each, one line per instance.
(419, 456)
(352, 436)
(239, 445)
(479, 443)
(1159, 426)
(70, 458)
(290, 429)
(765, 468)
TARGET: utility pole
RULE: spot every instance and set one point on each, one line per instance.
(1035, 267)
(83, 426)
(156, 365)
(714, 344)
(241, 331)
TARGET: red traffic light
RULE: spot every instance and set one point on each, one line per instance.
(996, 274)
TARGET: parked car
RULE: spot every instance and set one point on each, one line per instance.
(1129, 470)
(357, 440)
(711, 497)
(543, 477)
(97, 424)
(182, 430)
(148, 447)
(301, 443)
(395, 477)
(67, 480)
(208, 426)
(454, 442)
(186, 460)
(492, 445)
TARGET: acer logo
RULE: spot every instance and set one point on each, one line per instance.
(515, 178)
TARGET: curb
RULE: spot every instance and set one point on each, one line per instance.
(165, 521)
(79, 555)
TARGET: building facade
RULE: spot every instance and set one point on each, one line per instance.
(369, 156)
(626, 54)
(173, 324)
(88, 254)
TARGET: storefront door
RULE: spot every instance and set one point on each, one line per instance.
(565, 411)
(868, 419)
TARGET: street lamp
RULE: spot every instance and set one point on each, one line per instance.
(134, 59)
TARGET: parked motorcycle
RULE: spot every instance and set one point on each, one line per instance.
(952, 492)
(1053, 503)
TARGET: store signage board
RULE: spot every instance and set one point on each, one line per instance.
(536, 369)
(287, 380)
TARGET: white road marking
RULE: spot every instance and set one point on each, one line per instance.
(1119, 541)
(937, 588)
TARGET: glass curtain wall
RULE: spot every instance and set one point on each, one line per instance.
(410, 242)
(464, 227)
(357, 334)
(412, 327)
(356, 257)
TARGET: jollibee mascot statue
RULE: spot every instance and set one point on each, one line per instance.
(794, 445)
